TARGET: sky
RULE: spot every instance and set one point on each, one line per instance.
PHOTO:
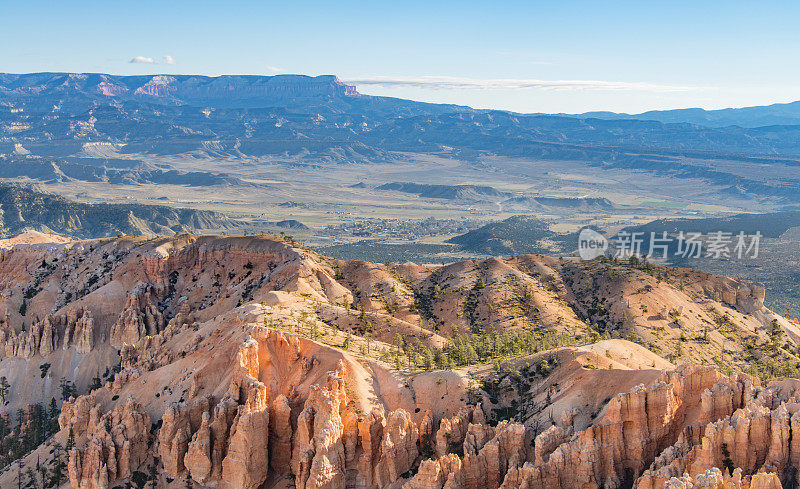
(527, 56)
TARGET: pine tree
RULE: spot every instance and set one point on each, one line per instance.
(59, 469)
(95, 384)
(52, 415)
(42, 470)
(31, 476)
(427, 358)
(67, 389)
(398, 341)
(70, 441)
(5, 387)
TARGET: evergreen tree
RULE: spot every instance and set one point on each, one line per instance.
(427, 358)
(67, 389)
(58, 473)
(70, 441)
(5, 387)
(95, 384)
(32, 481)
(52, 414)
(42, 473)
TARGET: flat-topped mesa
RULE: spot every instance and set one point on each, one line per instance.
(221, 91)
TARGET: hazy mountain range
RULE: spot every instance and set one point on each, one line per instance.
(758, 116)
(317, 120)
(166, 114)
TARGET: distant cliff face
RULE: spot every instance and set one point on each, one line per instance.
(236, 90)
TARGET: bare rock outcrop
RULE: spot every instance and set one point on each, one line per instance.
(370, 435)
(693, 427)
(139, 318)
(329, 435)
(115, 446)
(452, 431)
(187, 305)
(173, 438)
(224, 443)
(398, 449)
(247, 461)
(745, 296)
(754, 439)
(280, 435)
(714, 478)
(198, 453)
(79, 415)
(637, 426)
(73, 329)
(318, 455)
(436, 473)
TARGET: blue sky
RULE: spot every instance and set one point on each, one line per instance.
(529, 56)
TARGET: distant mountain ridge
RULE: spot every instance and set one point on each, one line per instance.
(751, 117)
(321, 120)
(23, 209)
(126, 172)
(450, 192)
(561, 203)
(232, 91)
(186, 89)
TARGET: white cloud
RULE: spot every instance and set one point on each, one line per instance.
(456, 83)
(275, 70)
(143, 59)
(169, 60)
